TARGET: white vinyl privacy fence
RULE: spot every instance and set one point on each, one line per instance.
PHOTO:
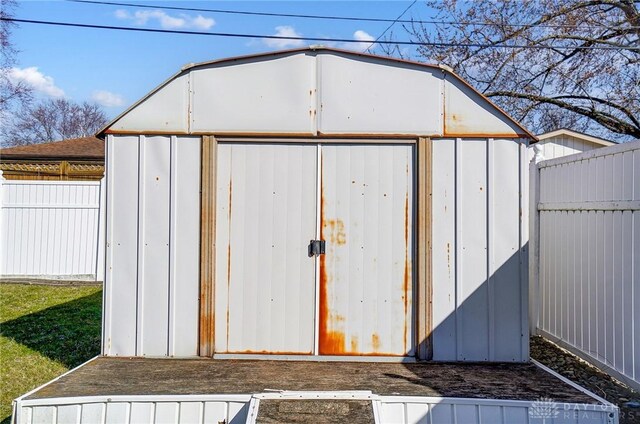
(586, 256)
(51, 229)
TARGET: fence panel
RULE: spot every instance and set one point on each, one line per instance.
(51, 229)
(587, 256)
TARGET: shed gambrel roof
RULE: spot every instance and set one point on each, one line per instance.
(317, 91)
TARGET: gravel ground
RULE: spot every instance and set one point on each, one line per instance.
(589, 377)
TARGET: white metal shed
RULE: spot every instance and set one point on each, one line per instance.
(226, 183)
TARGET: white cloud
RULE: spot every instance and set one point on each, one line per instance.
(122, 14)
(201, 22)
(107, 98)
(366, 41)
(37, 80)
(284, 31)
(166, 21)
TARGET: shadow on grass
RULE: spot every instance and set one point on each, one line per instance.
(68, 333)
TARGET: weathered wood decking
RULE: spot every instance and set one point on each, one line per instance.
(145, 376)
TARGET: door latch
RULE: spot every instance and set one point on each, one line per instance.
(316, 247)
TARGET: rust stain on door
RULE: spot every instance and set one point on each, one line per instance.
(406, 286)
(337, 233)
(330, 341)
(229, 257)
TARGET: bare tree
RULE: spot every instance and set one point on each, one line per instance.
(53, 120)
(12, 93)
(570, 62)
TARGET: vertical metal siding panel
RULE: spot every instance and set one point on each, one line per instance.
(122, 269)
(237, 412)
(215, 412)
(472, 251)
(367, 266)
(167, 412)
(191, 413)
(442, 413)
(223, 246)
(524, 246)
(490, 414)
(269, 201)
(141, 413)
(466, 414)
(154, 245)
(69, 414)
(393, 413)
(443, 251)
(186, 246)
(417, 413)
(26, 416)
(93, 413)
(44, 415)
(515, 415)
(117, 413)
(504, 250)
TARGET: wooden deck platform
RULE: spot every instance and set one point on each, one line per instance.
(144, 376)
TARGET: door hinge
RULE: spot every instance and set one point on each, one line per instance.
(316, 247)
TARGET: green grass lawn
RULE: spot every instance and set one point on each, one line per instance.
(44, 331)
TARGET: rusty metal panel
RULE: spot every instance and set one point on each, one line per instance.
(368, 96)
(466, 113)
(266, 215)
(366, 281)
(164, 111)
(274, 96)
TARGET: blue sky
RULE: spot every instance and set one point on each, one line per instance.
(116, 68)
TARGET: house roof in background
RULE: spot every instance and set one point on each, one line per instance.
(576, 134)
(73, 148)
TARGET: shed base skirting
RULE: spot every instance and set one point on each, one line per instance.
(133, 390)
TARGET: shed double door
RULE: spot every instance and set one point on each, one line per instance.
(272, 296)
